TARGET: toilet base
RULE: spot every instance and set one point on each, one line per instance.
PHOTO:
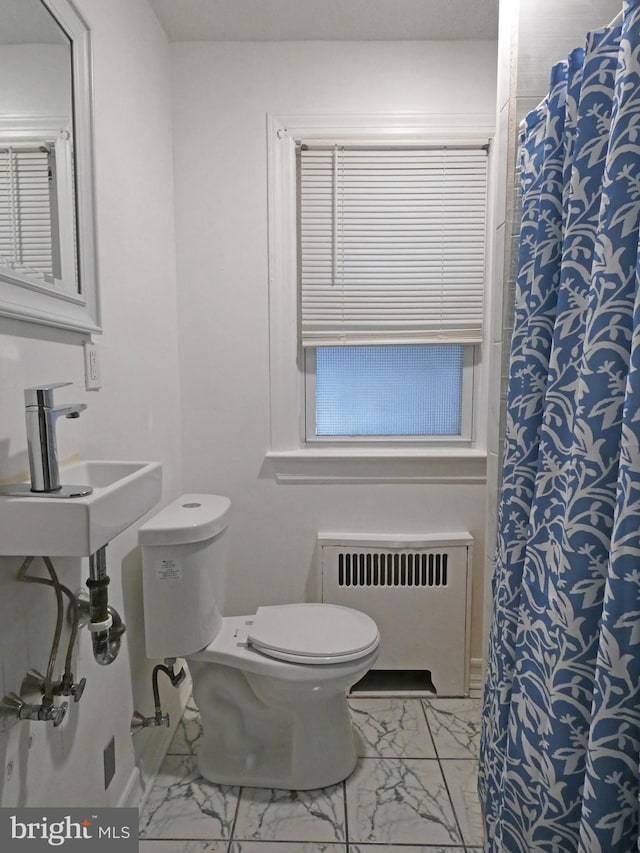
(258, 733)
(249, 771)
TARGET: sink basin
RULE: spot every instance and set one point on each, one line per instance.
(78, 527)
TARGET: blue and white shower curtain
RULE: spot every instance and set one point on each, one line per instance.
(560, 748)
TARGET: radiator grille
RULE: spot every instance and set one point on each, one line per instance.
(361, 568)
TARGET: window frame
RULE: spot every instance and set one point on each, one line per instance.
(291, 457)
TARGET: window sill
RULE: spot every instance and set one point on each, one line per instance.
(377, 465)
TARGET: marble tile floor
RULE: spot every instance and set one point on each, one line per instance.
(414, 791)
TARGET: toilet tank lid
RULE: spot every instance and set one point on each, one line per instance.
(190, 518)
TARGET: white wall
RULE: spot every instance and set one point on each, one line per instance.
(136, 415)
(36, 80)
(221, 96)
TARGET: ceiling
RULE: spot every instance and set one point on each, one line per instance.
(327, 20)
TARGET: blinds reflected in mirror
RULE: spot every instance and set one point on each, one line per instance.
(26, 220)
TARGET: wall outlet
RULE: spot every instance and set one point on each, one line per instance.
(109, 757)
(91, 367)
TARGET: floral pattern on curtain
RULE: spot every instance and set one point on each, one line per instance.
(560, 749)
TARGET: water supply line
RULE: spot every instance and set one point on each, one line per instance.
(12, 706)
(34, 681)
(47, 687)
(106, 629)
(139, 721)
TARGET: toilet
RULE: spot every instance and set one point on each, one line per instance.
(271, 687)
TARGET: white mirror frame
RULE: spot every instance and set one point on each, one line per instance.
(20, 299)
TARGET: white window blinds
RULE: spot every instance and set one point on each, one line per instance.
(392, 244)
(25, 210)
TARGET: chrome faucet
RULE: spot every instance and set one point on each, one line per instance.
(41, 416)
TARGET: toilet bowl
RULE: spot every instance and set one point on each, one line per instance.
(271, 687)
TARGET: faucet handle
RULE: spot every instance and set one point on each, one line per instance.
(42, 395)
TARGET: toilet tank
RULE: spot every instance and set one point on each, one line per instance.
(184, 550)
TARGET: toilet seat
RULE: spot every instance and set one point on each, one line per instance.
(313, 633)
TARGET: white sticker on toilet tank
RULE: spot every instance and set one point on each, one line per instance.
(168, 570)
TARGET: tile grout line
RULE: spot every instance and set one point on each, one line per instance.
(346, 810)
(444, 778)
(235, 819)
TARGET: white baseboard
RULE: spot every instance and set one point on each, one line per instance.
(133, 791)
(476, 678)
(152, 758)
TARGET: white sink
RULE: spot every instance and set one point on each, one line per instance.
(78, 527)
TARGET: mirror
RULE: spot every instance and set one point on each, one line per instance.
(47, 242)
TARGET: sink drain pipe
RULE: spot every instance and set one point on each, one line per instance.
(104, 623)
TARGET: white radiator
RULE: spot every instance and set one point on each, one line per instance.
(417, 589)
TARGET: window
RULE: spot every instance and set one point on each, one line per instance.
(341, 340)
(391, 268)
(400, 390)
